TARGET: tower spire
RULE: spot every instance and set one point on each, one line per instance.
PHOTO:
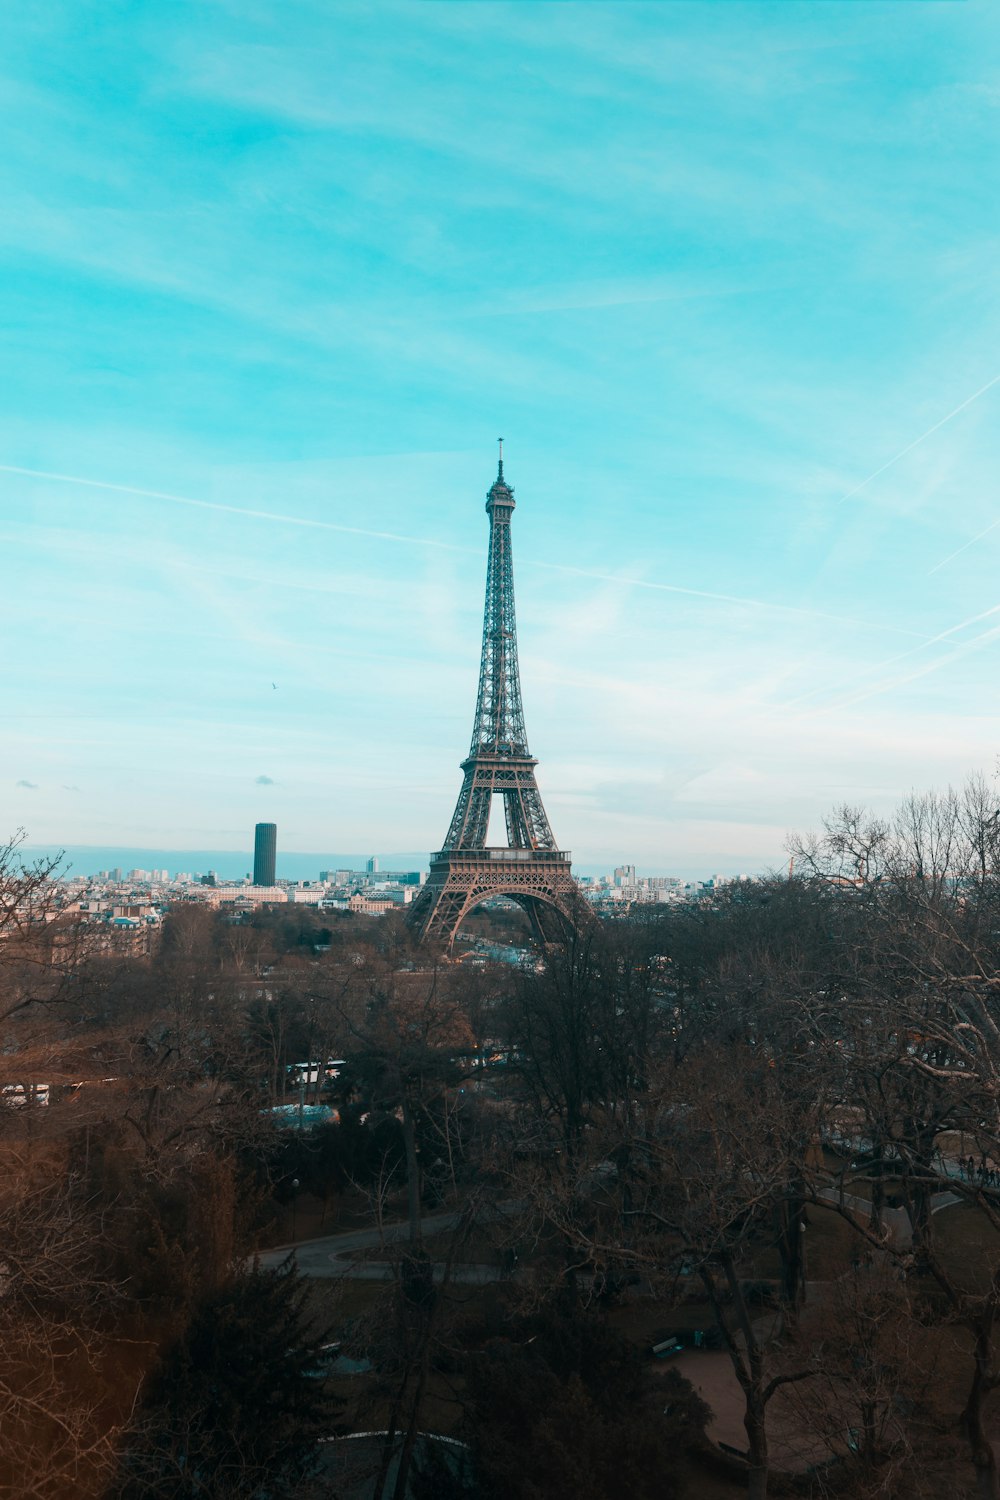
(530, 868)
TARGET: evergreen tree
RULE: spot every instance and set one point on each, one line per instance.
(236, 1407)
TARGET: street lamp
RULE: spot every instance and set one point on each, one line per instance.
(295, 1191)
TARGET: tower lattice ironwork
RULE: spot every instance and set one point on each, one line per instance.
(530, 869)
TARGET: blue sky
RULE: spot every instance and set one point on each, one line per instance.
(723, 276)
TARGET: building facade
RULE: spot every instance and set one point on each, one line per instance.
(265, 853)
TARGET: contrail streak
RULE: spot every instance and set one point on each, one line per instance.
(916, 441)
(976, 644)
(674, 588)
(422, 541)
(959, 550)
(236, 510)
(891, 661)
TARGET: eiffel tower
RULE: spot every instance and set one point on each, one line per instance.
(530, 868)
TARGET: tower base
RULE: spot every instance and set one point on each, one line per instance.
(539, 880)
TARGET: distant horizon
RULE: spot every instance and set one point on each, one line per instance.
(235, 864)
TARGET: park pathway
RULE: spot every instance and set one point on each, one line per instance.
(331, 1256)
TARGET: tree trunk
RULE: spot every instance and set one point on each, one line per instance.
(412, 1426)
(749, 1371)
(878, 1187)
(753, 1421)
(980, 1448)
(412, 1171)
(791, 1249)
(918, 1192)
(920, 1217)
(757, 1482)
(388, 1446)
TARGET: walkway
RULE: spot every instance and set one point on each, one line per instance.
(329, 1257)
(896, 1220)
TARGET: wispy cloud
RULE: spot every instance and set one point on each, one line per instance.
(31, 786)
(264, 781)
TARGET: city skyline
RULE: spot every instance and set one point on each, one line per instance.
(233, 865)
(724, 285)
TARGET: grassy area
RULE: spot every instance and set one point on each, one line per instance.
(968, 1244)
(338, 1304)
(831, 1240)
(309, 1218)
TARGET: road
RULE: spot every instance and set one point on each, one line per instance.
(330, 1257)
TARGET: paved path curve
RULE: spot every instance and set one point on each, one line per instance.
(329, 1257)
(896, 1220)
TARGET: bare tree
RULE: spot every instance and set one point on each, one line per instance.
(913, 1053)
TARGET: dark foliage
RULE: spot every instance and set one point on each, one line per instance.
(563, 1408)
(235, 1407)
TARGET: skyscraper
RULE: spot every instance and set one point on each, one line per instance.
(265, 850)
